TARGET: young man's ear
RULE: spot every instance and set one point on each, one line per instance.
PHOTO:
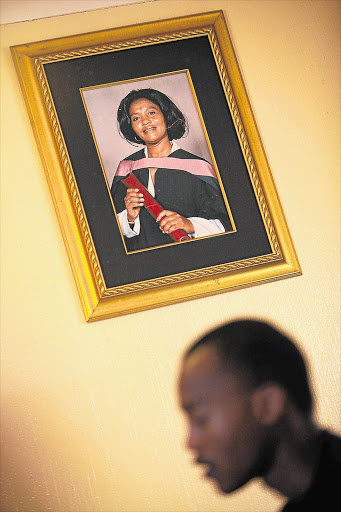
(268, 403)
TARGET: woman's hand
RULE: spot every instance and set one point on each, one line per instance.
(133, 202)
(170, 221)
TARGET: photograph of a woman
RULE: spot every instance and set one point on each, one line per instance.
(183, 183)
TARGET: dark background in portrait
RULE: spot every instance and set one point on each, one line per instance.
(65, 79)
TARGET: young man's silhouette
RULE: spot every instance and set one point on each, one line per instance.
(245, 389)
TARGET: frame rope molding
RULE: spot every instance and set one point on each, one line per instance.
(244, 144)
(70, 176)
(93, 50)
(194, 274)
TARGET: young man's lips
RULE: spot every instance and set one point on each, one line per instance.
(210, 471)
(210, 468)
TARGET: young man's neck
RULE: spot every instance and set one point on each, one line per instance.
(296, 457)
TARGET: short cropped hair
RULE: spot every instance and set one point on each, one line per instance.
(264, 354)
(176, 122)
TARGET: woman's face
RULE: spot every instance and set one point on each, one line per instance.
(147, 121)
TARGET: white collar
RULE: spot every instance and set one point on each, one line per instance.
(173, 144)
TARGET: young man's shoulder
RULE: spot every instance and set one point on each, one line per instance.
(326, 483)
(334, 442)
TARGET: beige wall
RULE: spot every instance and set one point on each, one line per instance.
(90, 420)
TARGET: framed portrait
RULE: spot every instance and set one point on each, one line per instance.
(188, 180)
(155, 164)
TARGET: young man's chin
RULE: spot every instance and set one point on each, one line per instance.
(227, 487)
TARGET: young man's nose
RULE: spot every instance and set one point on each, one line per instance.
(193, 440)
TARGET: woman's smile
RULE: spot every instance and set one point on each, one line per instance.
(148, 121)
(149, 129)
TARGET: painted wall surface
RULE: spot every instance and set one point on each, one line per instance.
(90, 421)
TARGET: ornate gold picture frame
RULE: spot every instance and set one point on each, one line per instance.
(112, 280)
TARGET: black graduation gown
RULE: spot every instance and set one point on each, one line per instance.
(175, 190)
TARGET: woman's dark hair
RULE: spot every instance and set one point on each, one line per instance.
(263, 354)
(175, 120)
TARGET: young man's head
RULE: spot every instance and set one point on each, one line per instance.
(237, 385)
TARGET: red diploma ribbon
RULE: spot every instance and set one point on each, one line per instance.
(152, 206)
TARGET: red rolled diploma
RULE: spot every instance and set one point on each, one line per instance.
(152, 206)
